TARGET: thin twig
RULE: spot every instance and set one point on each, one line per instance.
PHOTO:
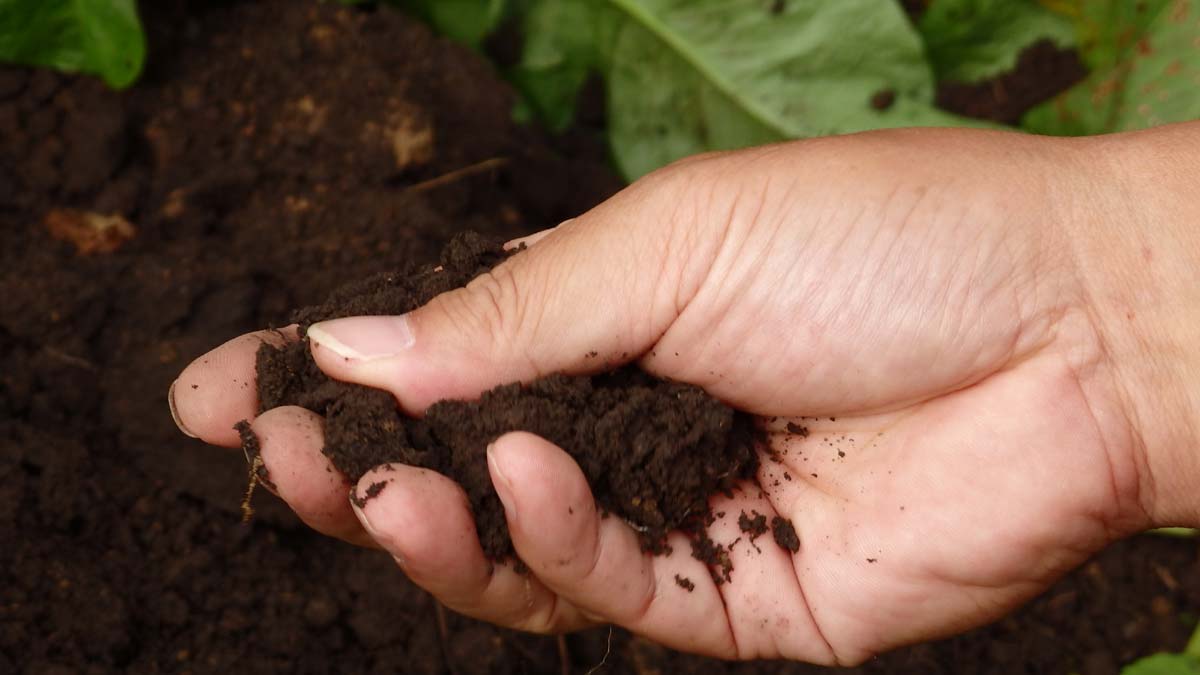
(247, 509)
(70, 359)
(450, 177)
(607, 651)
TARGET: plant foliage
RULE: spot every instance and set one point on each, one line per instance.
(101, 37)
(1186, 662)
(1145, 68)
(685, 76)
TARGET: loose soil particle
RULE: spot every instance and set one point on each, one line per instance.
(785, 534)
(122, 539)
(755, 525)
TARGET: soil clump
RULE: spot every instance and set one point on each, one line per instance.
(652, 451)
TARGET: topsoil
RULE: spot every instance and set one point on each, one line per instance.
(273, 152)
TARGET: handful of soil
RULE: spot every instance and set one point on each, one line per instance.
(652, 451)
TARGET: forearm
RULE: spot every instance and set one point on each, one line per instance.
(1139, 251)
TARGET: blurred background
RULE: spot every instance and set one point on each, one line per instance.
(175, 173)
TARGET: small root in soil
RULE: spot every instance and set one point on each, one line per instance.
(607, 650)
(247, 510)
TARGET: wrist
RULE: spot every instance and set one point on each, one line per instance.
(1137, 247)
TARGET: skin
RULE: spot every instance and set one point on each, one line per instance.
(999, 331)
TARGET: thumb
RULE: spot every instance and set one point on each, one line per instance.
(595, 292)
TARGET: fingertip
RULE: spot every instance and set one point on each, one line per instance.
(291, 441)
(551, 512)
(421, 518)
(218, 389)
(523, 458)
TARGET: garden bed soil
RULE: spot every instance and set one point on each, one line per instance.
(273, 152)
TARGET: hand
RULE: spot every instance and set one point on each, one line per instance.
(939, 300)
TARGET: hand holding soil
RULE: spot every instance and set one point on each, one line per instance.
(969, 351)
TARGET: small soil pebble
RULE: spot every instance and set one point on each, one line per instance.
(797, 429)
(652, 451)
(785, 534)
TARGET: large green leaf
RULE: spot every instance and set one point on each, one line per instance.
(1146, 60)
(465, 21)
(685, 76)
(1164, 664)
(102, 37)
(971, 40)
(564, 42)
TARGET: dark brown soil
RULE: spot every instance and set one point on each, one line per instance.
(785, 534)
(122, 545)
(652, 451)
(754, 525)
(1042, 71)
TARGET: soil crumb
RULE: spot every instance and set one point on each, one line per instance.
(653, 451)
(715, 555)
(785, 534)
(372, 492)
(797, 429)
(755, 525)
(685, 583)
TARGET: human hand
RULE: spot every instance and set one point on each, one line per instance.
(940, 302)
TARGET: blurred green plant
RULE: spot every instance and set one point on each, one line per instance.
(686, 76)
(1178, 532)
(1186, 662)
(972, 40)
(1144, 59)
(101, 37)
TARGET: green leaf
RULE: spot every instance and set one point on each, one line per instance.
(1164, 664)
(686, 76)
(563, 41)
(971, 40)
(102, 37)
(465, 21)
(1146, 60)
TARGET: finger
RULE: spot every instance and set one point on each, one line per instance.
(290, 441)
(219, 389)
(423, 519)
(597, 564)
(597, 291)
(767, 608)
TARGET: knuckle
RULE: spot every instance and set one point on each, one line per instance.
(491, 311)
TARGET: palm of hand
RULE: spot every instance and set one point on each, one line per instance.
(921, 522)
(975, 449)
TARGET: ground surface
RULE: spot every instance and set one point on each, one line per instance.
(274, 151)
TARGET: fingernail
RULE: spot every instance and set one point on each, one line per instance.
(363, 338)
(502, 484)
(372, 532)
(175, 412)
(362, 516)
